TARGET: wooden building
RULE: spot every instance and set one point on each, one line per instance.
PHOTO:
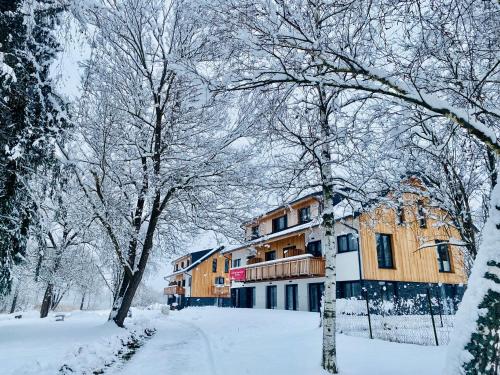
(393, 249)
(200, 278)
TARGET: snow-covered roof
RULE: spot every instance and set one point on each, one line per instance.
(194, 264)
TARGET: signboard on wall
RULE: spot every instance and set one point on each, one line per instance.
(237, 274)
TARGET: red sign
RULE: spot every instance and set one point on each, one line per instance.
(237, 274)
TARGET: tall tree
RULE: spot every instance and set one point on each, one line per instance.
(32, 116)
(157, 149)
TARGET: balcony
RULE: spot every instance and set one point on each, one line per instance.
(286, 268)
(220, 290)
(173, 289)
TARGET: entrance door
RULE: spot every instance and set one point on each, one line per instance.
(315, 294)
(291, 297)
(271, 297)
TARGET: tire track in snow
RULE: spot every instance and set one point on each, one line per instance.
(206, 340)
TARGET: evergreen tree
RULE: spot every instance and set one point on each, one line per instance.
(31, 118)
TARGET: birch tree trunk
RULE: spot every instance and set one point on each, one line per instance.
(474, 348)
(329, 358)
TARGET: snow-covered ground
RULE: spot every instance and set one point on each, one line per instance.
(207, 341)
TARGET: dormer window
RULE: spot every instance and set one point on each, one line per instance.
(280, 223)
(305, 215)
(422, 219)
(255, 232)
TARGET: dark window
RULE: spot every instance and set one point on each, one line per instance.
(183, 282)
(422, 220)
(219, 280)
(176, 268)
(270, 255)
(314, 248)
(384, 250)
(226, 265)
(182, 264)
(187, 263)
(271, 297)
(291, 297)
(280, 223)
(401, 214)
(315, 293)
(443, 257)
(304, 215)
(214, 265)
(347, 242)
(179, 283)
(255, 232)
(236, 263)
(348, 289)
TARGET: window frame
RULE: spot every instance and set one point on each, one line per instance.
(254, 232)
(391, 248)
(226, 265)
(349, 237)
(276, 220)
(270, 252)
(238, 260)
(320, 248)
(308, 218)
(440, 261)
(214, 265)
(422, 218)
(269, 299)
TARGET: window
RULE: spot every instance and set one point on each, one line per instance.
(443, 257)
(219, 280)
(182, 264)
(348, 289)
(422, 220)
(176, 268)
(187, 263)
(384, 250)
(178, 283)
(401, 214)
(304, 215)
(270, 255)
(291, 297)
(314, 248)
(236, 263)
(347, 242)
(226, 265)
(280, 223)
(271, 297)
(214, 265)
(255, 232)
(183, 282)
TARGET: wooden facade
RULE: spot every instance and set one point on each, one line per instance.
(203, 278)
(413, 247)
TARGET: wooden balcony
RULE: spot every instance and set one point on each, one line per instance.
(173, 289)
(220, 290)
(300, 266)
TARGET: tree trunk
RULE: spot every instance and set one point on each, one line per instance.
(83, 300)
(14, 301)
(329, 358)
(47, 300)
(473, 349)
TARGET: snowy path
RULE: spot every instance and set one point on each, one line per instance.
(211, 341)
(178, 348)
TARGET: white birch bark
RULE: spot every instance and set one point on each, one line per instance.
(329, 358)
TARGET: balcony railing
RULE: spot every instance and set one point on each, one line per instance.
(297, 266)
(220, 290)
(173, 289)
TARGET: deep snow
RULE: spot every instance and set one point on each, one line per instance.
(208, 341)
